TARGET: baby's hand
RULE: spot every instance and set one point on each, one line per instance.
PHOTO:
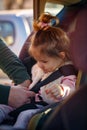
(52, 94)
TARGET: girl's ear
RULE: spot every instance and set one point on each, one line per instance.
(62, 55)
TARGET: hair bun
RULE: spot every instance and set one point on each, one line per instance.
(44, 21)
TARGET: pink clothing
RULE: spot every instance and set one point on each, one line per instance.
(61, 87)
(52, 92)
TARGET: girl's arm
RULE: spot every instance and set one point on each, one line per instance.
(58, 92)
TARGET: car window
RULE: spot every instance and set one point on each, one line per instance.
(53, 8)
(30, 21)
(7, 32)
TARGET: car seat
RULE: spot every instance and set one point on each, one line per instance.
(78, 39)
(77, 31)
(74, 23)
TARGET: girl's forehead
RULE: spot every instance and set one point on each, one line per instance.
(35, 50)
(38, 55)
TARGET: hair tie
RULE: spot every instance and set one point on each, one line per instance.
(43, 25)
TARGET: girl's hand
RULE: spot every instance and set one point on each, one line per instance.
(52, 94)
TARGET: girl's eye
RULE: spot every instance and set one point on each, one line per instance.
(44, 61)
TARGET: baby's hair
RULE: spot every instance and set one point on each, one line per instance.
(44, 21)
(51, 40)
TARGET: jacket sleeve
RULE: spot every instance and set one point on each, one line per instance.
(4, 94)
(12, 65)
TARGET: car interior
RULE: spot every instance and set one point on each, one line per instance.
(73, 20)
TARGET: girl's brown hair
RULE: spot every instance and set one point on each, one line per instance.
(52, 40)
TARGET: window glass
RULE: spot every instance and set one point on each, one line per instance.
(7, 32)
(30, 21)
(53, 8)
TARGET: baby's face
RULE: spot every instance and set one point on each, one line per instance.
(45, 62)
(49, 64)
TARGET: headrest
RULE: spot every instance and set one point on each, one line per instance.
(73, 20)
(79, 40)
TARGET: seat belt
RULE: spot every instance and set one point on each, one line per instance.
(63, 71)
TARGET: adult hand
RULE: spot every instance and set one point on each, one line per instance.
(26, 83)
(19, 95)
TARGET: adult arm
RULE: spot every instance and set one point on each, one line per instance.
(16, 71)
(4, 93)
(12, 65)
(14, 96)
